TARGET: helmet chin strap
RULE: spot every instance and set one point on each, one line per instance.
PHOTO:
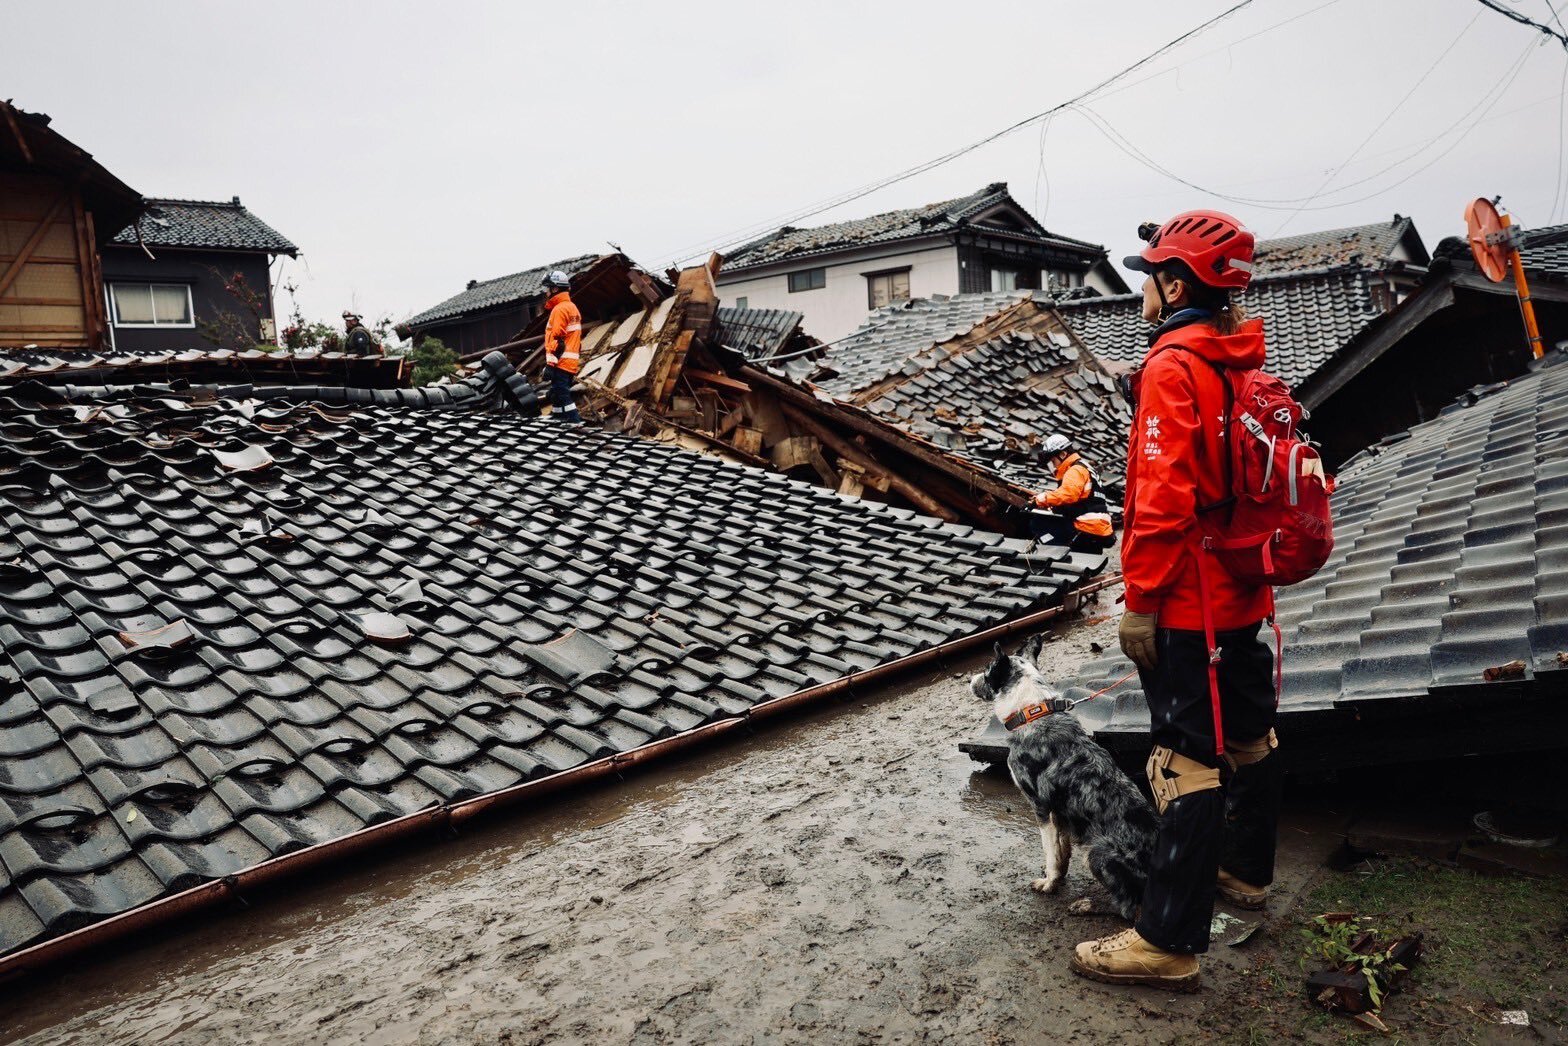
(1165, 305)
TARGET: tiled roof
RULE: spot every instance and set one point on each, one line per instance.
(204, 223)
(1308, 316)
(894, 333)
(232, 631)
(1450, 558)
(503, 290)
(251, 365)
(757, 333)
(888, 227)
(1546, 251)
(993, 403)
(1367, 245)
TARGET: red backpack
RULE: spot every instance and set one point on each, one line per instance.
(1277, 530)
(1274, 526)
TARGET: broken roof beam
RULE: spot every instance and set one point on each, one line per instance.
(845, 448)
(925, 453)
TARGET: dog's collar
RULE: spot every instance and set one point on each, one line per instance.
(1029, 713)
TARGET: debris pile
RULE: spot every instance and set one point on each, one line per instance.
(664, 362)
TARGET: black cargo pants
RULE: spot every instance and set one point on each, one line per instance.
(1233, 826)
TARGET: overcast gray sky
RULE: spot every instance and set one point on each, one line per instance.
(408, 147)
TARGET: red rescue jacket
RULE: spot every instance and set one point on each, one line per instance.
(1175, 464)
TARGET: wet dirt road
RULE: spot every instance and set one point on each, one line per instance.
(846, 877)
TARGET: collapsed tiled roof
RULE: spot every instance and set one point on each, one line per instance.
(1450, 560)
(1370, 246)
(894, 333)
(994, 402)
(757, 333)
(208, 224)
(233, 631)
(1308, 316)
(888, 227)
(503, 290)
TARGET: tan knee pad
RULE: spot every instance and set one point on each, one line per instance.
(1244, 753)
(1173, 775)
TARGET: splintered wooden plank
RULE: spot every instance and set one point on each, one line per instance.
(763, 410)
(668, 371)
(747, 440)
(708, 404)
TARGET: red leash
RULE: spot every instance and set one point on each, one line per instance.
(1107, 689)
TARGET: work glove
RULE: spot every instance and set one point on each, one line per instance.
(1137, 638)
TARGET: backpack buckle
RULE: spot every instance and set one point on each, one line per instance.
(1215, 654)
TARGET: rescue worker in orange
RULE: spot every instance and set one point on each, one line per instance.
(563, 338)
(1075, 514)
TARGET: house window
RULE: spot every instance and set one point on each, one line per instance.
(740, 303)
(1064, 278)
(152, 305)
(808, 280)
(1004, 279)
(884, 288)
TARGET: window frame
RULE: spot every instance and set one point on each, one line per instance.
(811, 275)
(190, 306)
(904, 270)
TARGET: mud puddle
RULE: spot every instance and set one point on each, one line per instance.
(846, 877)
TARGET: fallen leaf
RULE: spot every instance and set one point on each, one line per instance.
(1512, 670)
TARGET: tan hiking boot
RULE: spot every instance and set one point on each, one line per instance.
(1126, 958)
(1242, 895)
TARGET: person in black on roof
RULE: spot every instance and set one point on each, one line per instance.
(357, 339)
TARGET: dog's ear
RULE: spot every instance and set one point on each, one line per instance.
(1033, 647)
(1001, 670)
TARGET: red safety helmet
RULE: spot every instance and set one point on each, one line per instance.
(1215, 246)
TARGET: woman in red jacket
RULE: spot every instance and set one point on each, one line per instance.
(1214, 836)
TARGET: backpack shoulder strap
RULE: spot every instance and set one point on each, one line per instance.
(1225, 422)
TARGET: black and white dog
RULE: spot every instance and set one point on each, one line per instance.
(1079, 795)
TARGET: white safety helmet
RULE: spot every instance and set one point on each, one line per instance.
(557, 279)
(1055, 444)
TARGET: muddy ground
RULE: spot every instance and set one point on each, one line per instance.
(845, 877)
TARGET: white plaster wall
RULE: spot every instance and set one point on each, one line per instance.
(1094, 278)
(837, 309)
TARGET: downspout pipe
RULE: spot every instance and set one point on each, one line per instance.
(440, 821)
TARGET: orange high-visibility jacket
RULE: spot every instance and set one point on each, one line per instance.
(1075, 483)
(563, 334)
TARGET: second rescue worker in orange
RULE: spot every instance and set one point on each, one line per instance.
(1074, 513)
(563, 338)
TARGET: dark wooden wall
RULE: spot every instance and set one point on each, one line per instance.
(204, 272)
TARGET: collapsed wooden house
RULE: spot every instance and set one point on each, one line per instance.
(662, 360)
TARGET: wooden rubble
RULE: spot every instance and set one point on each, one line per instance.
(657, 373)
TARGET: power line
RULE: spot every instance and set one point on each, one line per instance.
(1381, 123)
(948, 157)
(1234, 43)
(1509, 12)
(1489, 100)
(1562, 94)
